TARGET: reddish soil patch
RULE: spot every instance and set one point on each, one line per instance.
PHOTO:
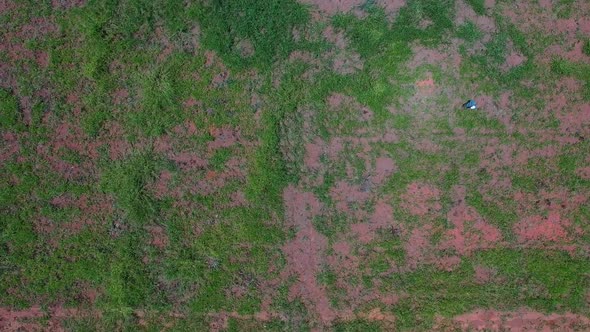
(427, 145)
(423, 56)
(313, 152)
(10, 146)
(210, 58)
(568, 25)
(238, 198)
(384, 167)
(522, 320)
(343, 262)
(95, 205)
(187, 129)
(167, 47)
(572, 51)
(514, 59)
(547, 4)
(335, 147)
(575, 120)
(504, 101)
(219, 322)
(424, 24)
(191, 102)
(539, 229)
(245, 48)
(220, 79)
(376, 315)
(560, 201)
(159, 237)
(27, 109)
(485, 102)
(43, 225)
(583, 172)
(223, 137)
(391, 7)
(18, 320)
(305, 57)
(495, 157)
(68, 136)
(120, 96)
(345, 194)
(426, 83)
(584, 26)
(214, 181)
(347, 63)
(6, 6)
(337, 99)
(421, 199)
(38, 27)
(448, 263)
(366, 114)
(189, 161)
(304, 253)
(87, 293)
(382, 218)
(31, 319)
(67, 4)
(484, 275)
(418, 247)
(119, 147)
(471, 231)
(466, 13)
(547, 152)
(236, 292)
(73, 138)
(336, 38)
(42, 59)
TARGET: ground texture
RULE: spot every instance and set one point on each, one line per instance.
(291, 166)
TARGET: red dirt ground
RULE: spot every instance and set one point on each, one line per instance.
(28, 320)
(382, 218)
(471, 232)
(418, 246)
(304, 253)
(552, 228)
(421, 199)
(521, 320)
(484, 275)
(384, 168)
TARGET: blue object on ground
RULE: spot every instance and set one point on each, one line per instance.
(470, 104)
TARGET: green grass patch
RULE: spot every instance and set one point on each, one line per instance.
(266, 25)
(474, 119)
(469, 32)
(126, 181)
(478, 6)
(541, 280)
(10, 118)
